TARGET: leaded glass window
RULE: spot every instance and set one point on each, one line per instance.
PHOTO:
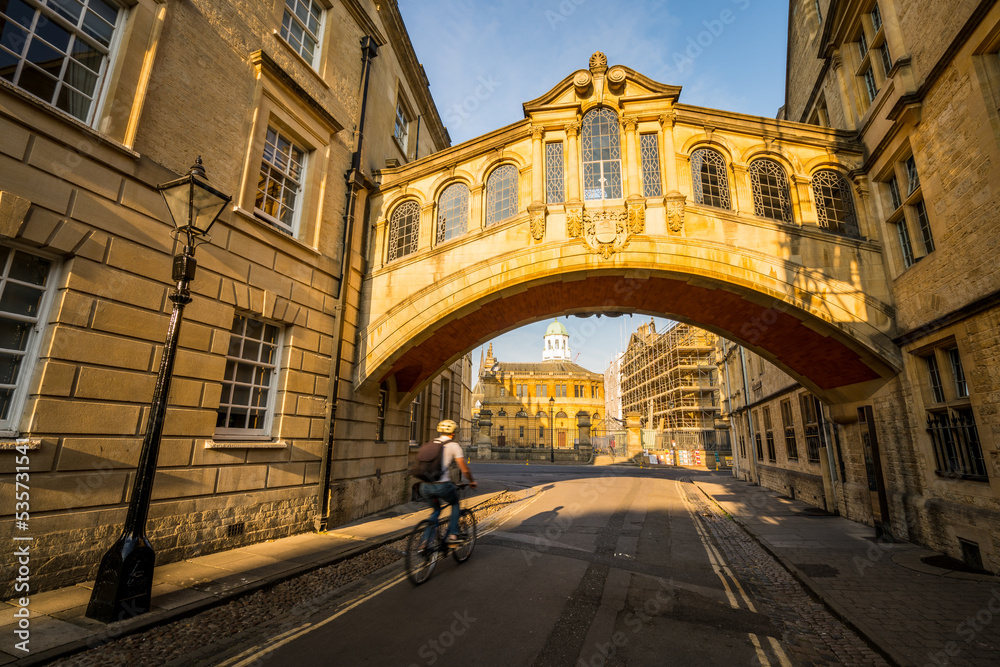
(876, 18)
(649, 149)
(281, 172)
(404, 228)
(250, 379)
(912, 177)
(771, 198)
(883, 52)
(25, 282)
(925, 226)
(870, 87)
(555, 173)
(501, 194)
(894, 197)
(602, 155)
(904, 243)
(59, 51)
(453, 212)
(834, 205)
(300, 27)
(710, 178)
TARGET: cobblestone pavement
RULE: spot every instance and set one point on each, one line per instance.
(218, 630)
(811, 633)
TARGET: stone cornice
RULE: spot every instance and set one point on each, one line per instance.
(264, 63)
(414, 71)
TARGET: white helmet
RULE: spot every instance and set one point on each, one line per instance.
(447, 426)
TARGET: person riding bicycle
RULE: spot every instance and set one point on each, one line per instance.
(444, 489)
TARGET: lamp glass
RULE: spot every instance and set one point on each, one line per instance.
(193, 204)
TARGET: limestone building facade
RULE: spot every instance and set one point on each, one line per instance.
(553, 403)
(919, 84)
(101, 101)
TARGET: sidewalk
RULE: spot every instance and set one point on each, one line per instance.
(59, 626)
(915, 613)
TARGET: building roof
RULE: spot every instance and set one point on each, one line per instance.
(556, 328)
(545, 368)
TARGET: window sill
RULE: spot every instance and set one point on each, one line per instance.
(298, 56)
(11, 444)
(961, 477)
(262, 223)
(243, 444)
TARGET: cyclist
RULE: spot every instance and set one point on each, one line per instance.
(444, 489)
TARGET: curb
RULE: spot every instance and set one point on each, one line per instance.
(814, 591)
(119, 629)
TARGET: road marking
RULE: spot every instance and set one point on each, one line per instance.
(713, 556)
(254, 654)
(780, 652)
(760, 651)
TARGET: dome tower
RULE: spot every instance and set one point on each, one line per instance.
(556, 343)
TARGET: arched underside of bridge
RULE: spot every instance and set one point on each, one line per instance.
(833, 360)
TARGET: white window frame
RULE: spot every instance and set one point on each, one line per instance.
(10, 425)
(263, 433)
(288, 11)
(42, 11)
(401, 126)
(292, 227)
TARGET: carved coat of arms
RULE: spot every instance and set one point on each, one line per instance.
(606, 231)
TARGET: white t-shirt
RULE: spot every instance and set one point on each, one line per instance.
(451, 451)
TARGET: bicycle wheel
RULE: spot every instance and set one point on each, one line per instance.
(467, 531)
(420, 562)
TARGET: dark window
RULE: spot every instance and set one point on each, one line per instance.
(834, 204)
(870, 87)
(810, 422)
(788, 423)
(555, 179)
(416, 414)
(894, 197)
(383, 400)
(904, 243)
(934, 377)
(404, 229)
(925, 226)
(961, 387)
(769, 434)
(710, 178)
(771, 198)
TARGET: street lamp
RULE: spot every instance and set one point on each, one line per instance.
(552, 430)
(125, 579)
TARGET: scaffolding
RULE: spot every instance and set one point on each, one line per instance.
(671, 380)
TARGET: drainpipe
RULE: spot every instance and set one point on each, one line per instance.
(355, 181)
(750, 427)
(416, 141)
(829, 453)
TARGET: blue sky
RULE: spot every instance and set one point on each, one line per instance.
(484, 59)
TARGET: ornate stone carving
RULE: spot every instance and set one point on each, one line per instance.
(598, 60)
(636, 217)
(538, 224)
(572, 129)
(574, 223)
(667, 119)
(606, 231)
(616, 78)
(675, 214)
(582, 81)
(537, 132)
(630, 122)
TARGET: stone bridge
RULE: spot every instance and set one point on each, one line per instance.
(612, 197)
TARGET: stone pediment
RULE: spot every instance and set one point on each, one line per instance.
(601, 83)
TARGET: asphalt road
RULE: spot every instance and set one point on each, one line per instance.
(603, 566)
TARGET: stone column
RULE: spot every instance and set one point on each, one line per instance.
(573, 162)
(583, 429)
(426, 236)
(669, 152)
(633, 182)
(537, 165)
(484, 443)
(741, 191)
(802, 202)
(634, 426)
(476, 218)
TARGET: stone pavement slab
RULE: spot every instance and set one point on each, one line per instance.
(58, 623)
(914, 613)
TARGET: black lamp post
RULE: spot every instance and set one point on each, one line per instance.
(552, 430)
(125, 579)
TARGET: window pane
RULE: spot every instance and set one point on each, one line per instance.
(600, 147)
(13, 334)
(650, 151)
(29, 268)
(555, 179)
(501, 194)
(771, 197)
(710, 178)
(453, 212)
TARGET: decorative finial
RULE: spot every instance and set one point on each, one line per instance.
(598, 60)
(197, 169)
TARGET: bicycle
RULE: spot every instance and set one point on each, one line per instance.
(421, 559)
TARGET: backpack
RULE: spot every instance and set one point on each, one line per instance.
(427, 466)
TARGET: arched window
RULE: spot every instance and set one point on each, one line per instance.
(521, 414)
(501, 194)
(453, 212)
(404, 227)
(602, 155)
(541, 414)
(711, 182)
(834, 204)
(771, 198)
(502, 413)
(561, 415)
